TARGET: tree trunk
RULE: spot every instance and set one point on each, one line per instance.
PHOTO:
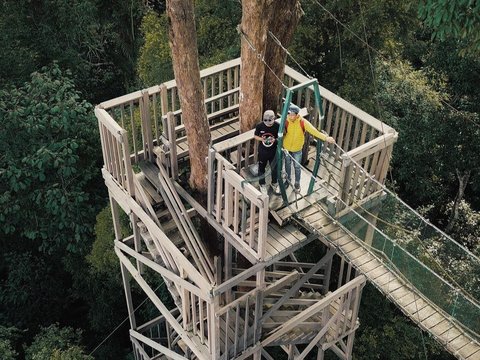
(183, 44)
(462, 184)
(283, 20)
(254, 29)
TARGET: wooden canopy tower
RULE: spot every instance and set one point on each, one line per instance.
(258, 298)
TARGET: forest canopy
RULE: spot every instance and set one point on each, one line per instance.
(413, 65)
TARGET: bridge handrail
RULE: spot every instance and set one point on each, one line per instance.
(425, 221)
(446, 294)
(465, 309)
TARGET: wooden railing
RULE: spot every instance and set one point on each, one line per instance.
(318, 282)
(158, 335)
(338, 312)
(153, 116)
(238, 322)
(143, 114)
(363, 170)
(350, 126)
(115, 151)
(363, 144)
(234, 202)
(241, 209)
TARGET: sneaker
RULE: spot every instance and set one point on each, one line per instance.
(263, 189)
(297, 188)
(276, 188)
(286, 184)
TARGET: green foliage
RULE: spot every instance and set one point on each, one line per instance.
(95, 39)
(338, 56)
(34, 291)
(461, 73)
(57, 343)
(8, 336)
(48, 168)
(457, 18)
(217, 39)
(412, 106)
(154, 64)
(102, 257)
(386, 334)
(466, 229)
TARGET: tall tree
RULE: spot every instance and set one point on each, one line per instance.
(457, 18)
(253, 28)
(183, 44)
(284, 17)
(57, 343)
(48, 167)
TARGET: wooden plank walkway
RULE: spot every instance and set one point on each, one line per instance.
(412, 304)
(282, 241)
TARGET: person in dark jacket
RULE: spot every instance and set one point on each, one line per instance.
(266, 132)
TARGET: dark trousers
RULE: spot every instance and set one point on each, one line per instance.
(263, 159)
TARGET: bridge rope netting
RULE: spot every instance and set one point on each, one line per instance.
(438, 267)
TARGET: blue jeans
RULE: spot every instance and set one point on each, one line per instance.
(297, 156)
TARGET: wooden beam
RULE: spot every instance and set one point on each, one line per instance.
(154, 230)
(372, 146)
(159, 305)
(299, 284)
(154, 345)
(201, 293)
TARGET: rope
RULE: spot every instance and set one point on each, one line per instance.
(411, 232)
(369, 47)
(390, 265)
(114, 330)
(384, 188)
(275, 39)
(375, 89)
(259, 55)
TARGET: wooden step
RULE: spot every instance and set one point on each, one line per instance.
(149, 189)
(297, 204)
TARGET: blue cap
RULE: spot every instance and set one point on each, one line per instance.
(293, 109)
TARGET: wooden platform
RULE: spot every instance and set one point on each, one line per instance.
(283, 240)
(280, 240)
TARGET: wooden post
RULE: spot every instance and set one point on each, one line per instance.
(228, 248)
(320, 353)
(342, 182)
(115, 217)
(128, 295)
(211, 180)
(371, 224)
(172, 138)
(260, 283)
(137, 239)
(147, 135)
(128, 164)
(215, 320)
(328, 272)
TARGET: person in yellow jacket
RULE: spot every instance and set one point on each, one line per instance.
(293, 141)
